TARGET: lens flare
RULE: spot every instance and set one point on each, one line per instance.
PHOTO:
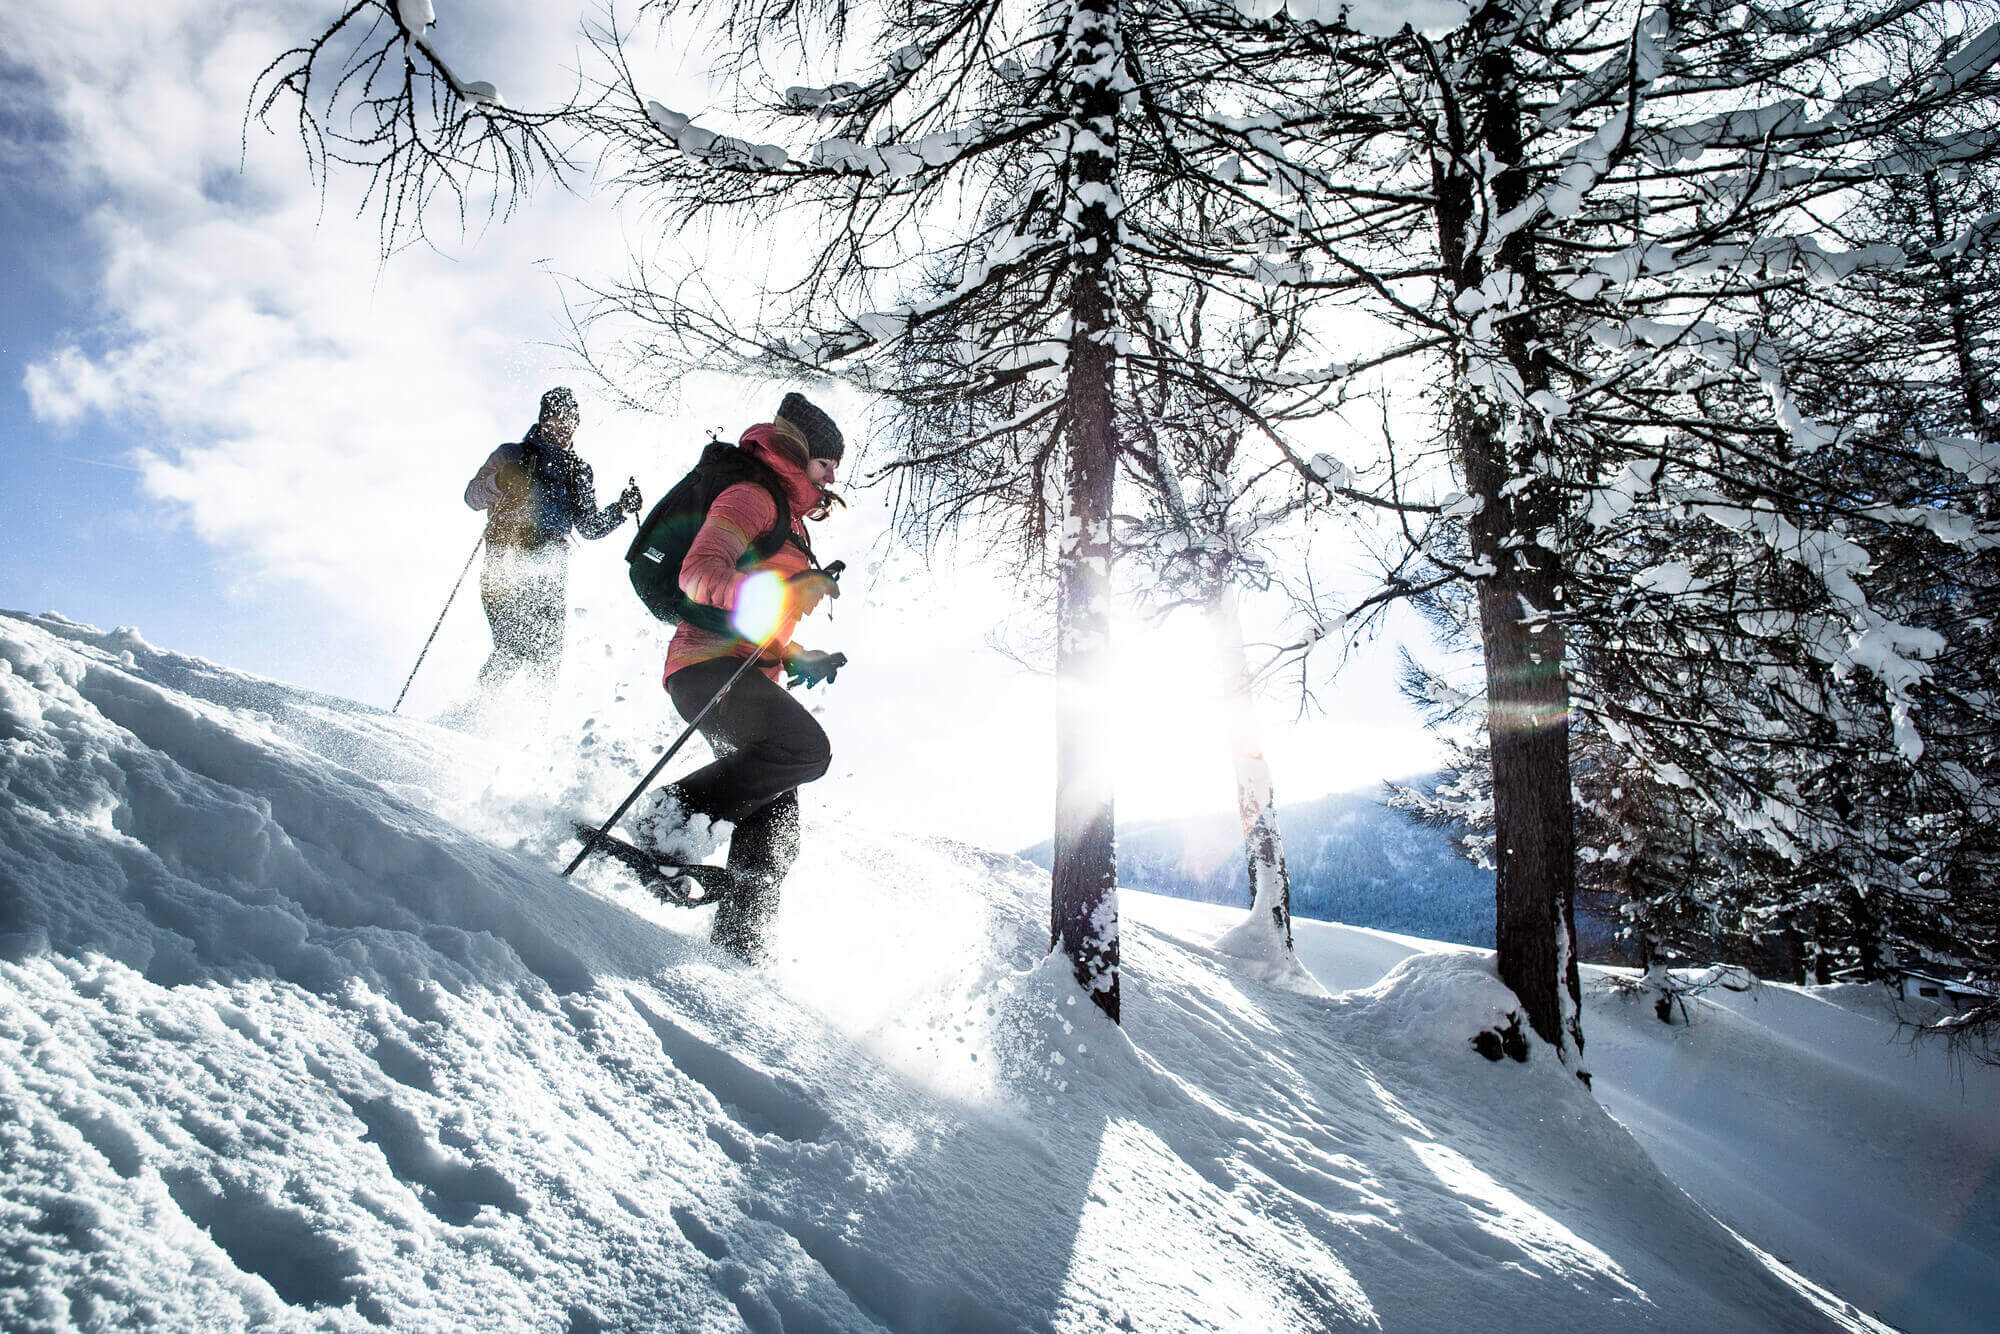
(760, 605)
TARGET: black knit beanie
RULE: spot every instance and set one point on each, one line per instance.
(822, 436)
(559, 404)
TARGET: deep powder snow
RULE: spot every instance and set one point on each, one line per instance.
(299, 1028)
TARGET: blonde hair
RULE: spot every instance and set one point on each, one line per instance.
(794, 439)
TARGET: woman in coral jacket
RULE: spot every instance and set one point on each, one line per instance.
(766, 743)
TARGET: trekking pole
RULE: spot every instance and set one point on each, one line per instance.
(440, 622)
(597, 834)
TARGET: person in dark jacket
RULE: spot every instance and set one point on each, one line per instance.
(535, 493)
(766, 743)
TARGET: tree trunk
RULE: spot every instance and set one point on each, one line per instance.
(1263, 847)
(1500, 445)
(1962, 339)
(1083, 892)
(1527, 720)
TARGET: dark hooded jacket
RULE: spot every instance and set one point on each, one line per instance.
(534, 494)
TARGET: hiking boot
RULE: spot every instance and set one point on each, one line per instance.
(739, 926)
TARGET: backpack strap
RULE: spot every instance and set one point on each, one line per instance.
(763, 474)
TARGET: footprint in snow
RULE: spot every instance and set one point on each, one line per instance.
(285, 1247)
(763, 1103)
(450, 1187)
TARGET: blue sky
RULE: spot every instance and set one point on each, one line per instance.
(232, 427)
(81, 536)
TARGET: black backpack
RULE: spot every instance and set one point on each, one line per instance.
(670, 527)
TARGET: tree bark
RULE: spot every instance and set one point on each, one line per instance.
(1083, 889)
(1962, 339)
(1256, 803)
(1527, 697)
(1520, 593)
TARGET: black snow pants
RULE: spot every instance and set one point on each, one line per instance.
(766, 745)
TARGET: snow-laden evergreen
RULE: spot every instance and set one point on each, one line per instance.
(299, 1028)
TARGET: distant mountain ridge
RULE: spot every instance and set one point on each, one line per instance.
(1351, 858)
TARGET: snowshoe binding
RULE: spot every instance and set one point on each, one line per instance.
(677, 883)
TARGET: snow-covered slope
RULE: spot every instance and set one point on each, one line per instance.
(299, 1028)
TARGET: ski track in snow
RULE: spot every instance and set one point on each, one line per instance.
(298, 1029)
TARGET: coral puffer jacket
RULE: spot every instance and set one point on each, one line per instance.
(739, 516)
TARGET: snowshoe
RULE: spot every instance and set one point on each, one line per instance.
(677, 883)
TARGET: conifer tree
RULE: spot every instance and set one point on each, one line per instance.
(1617, 196)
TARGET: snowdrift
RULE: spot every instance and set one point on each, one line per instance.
(299, 1028)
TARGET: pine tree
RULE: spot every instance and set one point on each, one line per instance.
(1618, 197)
(1204, 535)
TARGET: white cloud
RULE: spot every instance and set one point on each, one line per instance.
(66, 386)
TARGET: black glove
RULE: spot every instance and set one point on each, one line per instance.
(807, 587)
(628, 499)
(809, 666)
